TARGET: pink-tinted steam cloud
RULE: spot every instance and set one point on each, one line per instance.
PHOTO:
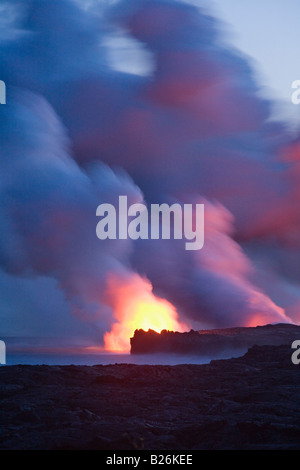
(194, 128)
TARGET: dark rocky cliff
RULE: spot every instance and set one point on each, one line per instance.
(213, 342)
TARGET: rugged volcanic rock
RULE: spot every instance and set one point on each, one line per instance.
(251, 402)
(213, 343)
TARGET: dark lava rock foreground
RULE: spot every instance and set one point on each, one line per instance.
(250, 402)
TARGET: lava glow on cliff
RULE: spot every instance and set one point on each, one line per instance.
(135, 306)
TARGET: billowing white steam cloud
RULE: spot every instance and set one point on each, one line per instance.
(192, 129)
(48, 213)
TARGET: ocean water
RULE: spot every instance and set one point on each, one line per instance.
(104, 359)
(31, 358)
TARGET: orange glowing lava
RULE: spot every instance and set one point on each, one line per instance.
(135, 306)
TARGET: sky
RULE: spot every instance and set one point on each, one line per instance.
(268, 31)
(159, 101)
